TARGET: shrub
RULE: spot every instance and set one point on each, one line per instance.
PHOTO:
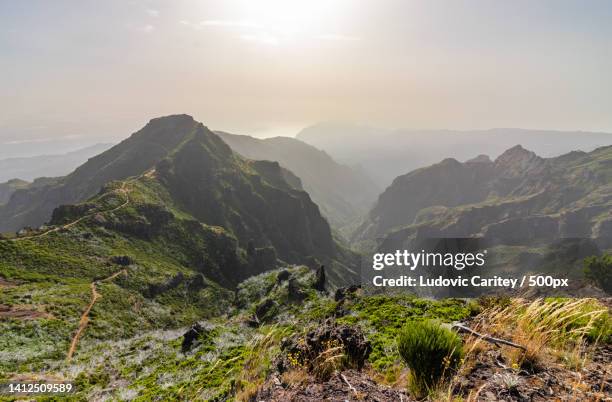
(431, 352)
(599, 270)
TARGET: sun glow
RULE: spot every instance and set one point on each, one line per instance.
(275, 22)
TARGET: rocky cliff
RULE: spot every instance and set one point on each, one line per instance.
(518, 196)
(344, 194)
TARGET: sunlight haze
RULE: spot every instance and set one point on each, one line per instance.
(85, 71)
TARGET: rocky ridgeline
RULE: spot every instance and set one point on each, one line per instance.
(518, 197)
(226, 216)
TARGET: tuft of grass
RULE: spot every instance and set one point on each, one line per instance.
(329, 361)
(295, 377)
(257, 366)
(432, 353)
(548, 325)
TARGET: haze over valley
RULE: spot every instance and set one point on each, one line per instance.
(291, 200)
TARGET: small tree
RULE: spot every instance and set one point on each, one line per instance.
(599, 270)
(431, 352)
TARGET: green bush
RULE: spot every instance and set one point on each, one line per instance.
(599, 270)
(431, 352)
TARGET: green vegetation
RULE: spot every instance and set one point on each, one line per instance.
(431, 352)
(383, 318)
(199, 235)
(599, 270)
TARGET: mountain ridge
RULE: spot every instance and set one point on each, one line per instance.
(342, 193)
(191, 173)
(387, 153)
(454, 199)
(131, 157)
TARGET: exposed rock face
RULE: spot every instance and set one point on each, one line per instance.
(192, 336)
(520, 197)
(283, 276)
(258, 201)
(351, 338)
(265, 311)
(150, 220)
(448, 183)
(319, 283)
(123, 260)
(334, 389)
(342, 293)
(294, 291)
(67, 213)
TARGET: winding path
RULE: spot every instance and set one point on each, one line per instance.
(95, 295)
(85, 316)
(94, 292)
(122, 190)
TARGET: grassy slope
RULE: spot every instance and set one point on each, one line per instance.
(53, 273)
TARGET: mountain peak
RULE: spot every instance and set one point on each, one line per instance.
(518, 157)
(482, 158)
(516, 150)
(171, 118)
(165, 125)
(450, 162)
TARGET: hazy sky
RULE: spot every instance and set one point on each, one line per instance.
(92, 70)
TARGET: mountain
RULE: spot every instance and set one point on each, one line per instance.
(191, 279)
(259, 203)
(518, 198)
(343, 194)
(132, 157)
(7, 189)
(384, 153)
(47, 165)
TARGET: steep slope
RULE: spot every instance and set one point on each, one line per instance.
(342, 193)
(7, 189)
(33, 206)
(251, 199)
(259, 203)
(387, 153)
(47, 165)
(519, 196)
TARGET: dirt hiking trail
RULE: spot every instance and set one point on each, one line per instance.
(85, 316)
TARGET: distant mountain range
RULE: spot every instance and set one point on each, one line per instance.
(385, 154)
(259, 191)
(519, 200)
(30, 168)
(343, 193)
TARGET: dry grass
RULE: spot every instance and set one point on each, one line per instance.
(257, 365)
(395, 376)
(544, 327)
(329, 361)
(295, 377)
(548, 329)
